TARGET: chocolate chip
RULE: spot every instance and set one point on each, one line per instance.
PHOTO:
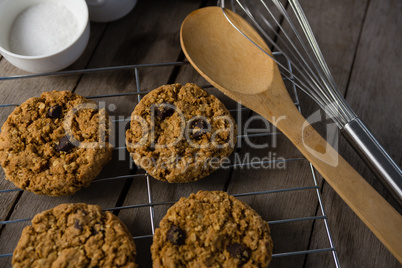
(151, 147)
(200, 127)
(64, 145)
(163, 111)
(197, 135)
(239, 251)
(94, 231)
(176, 235)
(77, 225)
(199, 123)
(55, 111)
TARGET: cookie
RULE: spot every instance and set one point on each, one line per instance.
(211, 229)
(55, 144)
(75, 235)
(180, 133)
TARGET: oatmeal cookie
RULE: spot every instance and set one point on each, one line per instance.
(211, 229)
(75, 235)
(180, 133)
(55, 144)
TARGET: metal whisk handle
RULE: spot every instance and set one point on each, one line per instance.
(379, 161)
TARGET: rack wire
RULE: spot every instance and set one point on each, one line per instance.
(151, 204)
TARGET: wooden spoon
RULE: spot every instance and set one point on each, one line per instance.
(234, 65)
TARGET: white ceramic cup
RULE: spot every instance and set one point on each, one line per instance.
(109, 10)
(10, 9)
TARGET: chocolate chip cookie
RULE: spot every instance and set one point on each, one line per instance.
(55, 144)
(211, 229)
(180, 133)
(75, 235)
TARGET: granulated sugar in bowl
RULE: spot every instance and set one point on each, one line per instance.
(42, 29)
(43, 35)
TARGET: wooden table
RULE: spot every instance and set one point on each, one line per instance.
(360, 40)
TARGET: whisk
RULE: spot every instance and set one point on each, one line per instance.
(288, 31)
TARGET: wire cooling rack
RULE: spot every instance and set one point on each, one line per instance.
(151, 205)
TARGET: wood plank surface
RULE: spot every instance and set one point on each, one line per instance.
(373, 92)
(347, 32)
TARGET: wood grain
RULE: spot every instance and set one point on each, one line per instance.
(346, 31)
(373, 94)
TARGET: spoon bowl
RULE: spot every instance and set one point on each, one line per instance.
(225, 46)
(238, 65)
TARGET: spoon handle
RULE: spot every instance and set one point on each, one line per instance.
(382, 219)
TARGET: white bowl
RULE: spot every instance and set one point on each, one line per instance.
(109, 10)
(49, 62)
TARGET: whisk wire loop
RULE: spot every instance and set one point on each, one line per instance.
(346, 110)
(313, 75)
(301, 84)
